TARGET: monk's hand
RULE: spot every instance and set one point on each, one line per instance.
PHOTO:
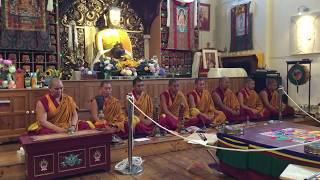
(61, 130)
(254, 111)
(111, 129)
(146, 121)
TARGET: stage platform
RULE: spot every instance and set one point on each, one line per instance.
(13, 167)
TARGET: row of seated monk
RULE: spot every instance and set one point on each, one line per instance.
(57, 112)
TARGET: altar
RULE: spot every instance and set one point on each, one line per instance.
(58, 155)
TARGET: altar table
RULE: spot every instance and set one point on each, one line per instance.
(58, 155)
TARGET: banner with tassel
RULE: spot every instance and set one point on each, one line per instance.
(50, 5)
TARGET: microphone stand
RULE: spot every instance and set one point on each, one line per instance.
(280, 91)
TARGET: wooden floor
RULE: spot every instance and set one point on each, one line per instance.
(187, 164)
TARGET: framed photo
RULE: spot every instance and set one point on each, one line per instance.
(210, 58)
(204, 17)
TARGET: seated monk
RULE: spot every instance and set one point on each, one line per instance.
(143, 126)
(270, 99)
(170, 101)
(112, 37)
(250, 102)
(56, 112)
(202, 106)
(110, 108)
(226, 101)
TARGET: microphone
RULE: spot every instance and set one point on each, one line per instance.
(280, 88)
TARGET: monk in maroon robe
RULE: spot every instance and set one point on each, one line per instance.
(226, 100)
(251, 103)
(56, 112)
(142, 124)
(271, 100)
(171, 101)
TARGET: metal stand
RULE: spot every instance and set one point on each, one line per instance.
(280, 89)
(131, 168)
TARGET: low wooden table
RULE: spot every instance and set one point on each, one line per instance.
(267, 164)
(57, 155)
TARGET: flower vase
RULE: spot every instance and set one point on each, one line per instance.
(76, 75)
(107, 75)
(19, 80)
(47, 81)
(5, 84)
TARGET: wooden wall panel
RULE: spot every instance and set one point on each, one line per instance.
(34, 97)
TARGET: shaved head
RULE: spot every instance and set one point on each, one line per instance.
(272, 84)
(250, 83)
(53, 82)
(200, 84)
(224, 83)
(56, 87)
(224, 78)
(199, 79)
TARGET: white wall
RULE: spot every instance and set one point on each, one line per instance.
(208, 36)
(280, 52)
(271, 36)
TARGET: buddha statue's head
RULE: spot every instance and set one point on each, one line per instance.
(114, 17)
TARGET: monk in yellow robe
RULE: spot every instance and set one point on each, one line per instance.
(110, 107)
(143, 126)
(226, 101)
(271, 99)
(56, 112)
(170, 101)
(251, 103)
(202, 106)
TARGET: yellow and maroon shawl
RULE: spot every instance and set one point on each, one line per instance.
(173, 103)
(273, 97)
(144, 103)
(228, 98)
(113, 112)
(205, 104)
(252, 100)
(59, 114)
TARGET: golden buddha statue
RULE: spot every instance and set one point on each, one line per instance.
(113, 37)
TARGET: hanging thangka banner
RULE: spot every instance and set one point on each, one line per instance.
(241, 28)
(181, 29)
(24, 25)
(28, 15)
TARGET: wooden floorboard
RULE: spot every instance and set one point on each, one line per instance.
(168, 166)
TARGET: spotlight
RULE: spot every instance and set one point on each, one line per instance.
(302, 9)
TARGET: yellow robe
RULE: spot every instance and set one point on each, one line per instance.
(173, 104)
(113, 112)
(110, 37)
(144, 103)
(205, 105)
(58, 114)
(253, 101)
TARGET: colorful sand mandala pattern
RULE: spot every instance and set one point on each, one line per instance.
(292, 135)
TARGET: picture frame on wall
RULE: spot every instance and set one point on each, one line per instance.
(204, 17)
(210, 58)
